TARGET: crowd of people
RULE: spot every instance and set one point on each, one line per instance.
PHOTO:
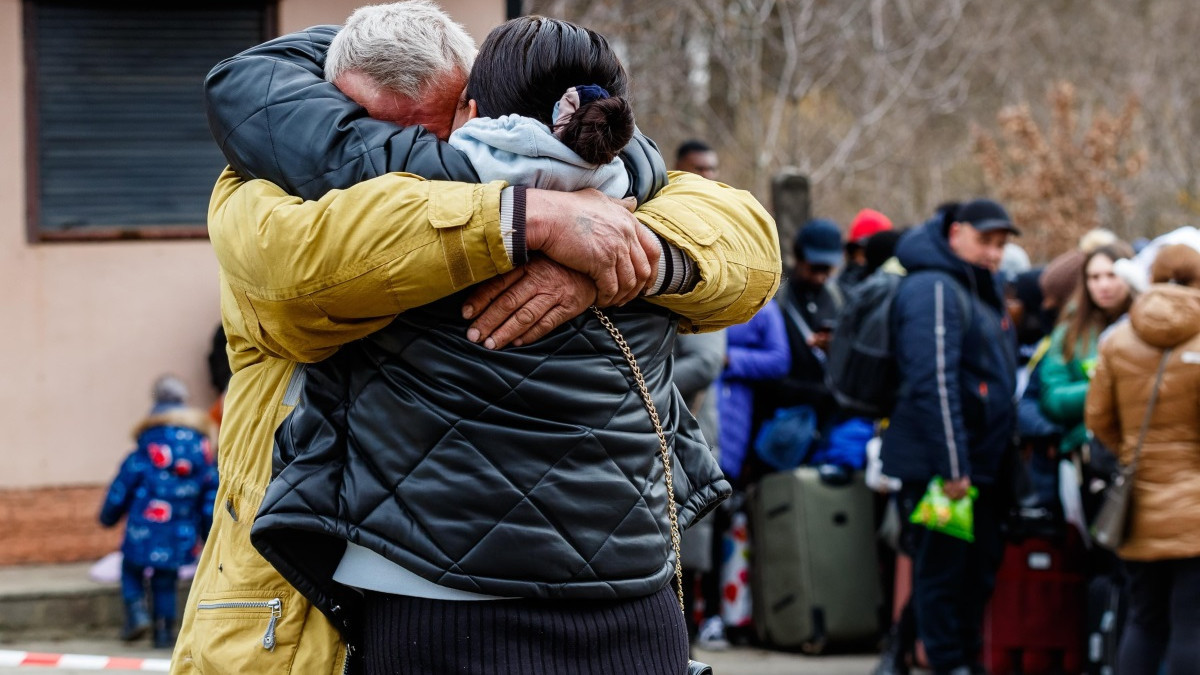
(513, 416)
(1025, 386)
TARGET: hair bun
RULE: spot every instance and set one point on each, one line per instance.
(599, 130)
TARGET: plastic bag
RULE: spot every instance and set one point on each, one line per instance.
(784, 440)
(953, 517)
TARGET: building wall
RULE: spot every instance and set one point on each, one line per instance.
(86, 327)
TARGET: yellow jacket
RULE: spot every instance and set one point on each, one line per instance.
(299, 279)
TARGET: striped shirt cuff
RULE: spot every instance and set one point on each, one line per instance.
(676, 271)
(512, 224)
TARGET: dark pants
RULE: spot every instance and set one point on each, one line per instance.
(706, 586)
(953, 581)
(418, 636)
(162, 588)
(1163, 625)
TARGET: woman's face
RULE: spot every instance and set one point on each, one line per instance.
(1106, 289)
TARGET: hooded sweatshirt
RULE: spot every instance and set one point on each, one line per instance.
(955, 413)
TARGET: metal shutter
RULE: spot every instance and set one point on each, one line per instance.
(117, 89)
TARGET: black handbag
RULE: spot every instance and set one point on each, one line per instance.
(1112, 522)
(693, 667)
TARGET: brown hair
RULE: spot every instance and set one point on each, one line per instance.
(1087, 320)
(525, 65)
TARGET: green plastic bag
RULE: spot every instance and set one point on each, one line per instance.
(953, 517)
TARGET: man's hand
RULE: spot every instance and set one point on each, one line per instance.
(596, 235)
(821, 340)
(527, 303)
(957, 489)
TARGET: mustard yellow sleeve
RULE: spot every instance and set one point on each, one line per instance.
(731, 238)
(303, 278)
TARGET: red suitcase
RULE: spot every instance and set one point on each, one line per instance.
(1035, 621)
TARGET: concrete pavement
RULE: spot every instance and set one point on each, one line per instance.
(754, 661)
(735, 661)
(57, 609)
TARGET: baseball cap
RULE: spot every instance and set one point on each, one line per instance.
(820, 243)
(867, 223)
(985, 215)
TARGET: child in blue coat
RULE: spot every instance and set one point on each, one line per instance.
(166, 487)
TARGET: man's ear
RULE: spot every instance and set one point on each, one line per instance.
(953, 232)
(472, 109)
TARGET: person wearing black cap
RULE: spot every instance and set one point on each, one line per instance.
(810, 305)
(954, 416)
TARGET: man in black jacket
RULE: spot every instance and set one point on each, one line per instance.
(810, 302)
(954, 415)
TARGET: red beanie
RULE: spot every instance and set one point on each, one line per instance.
(867, 223)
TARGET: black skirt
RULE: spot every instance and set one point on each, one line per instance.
(417, 636)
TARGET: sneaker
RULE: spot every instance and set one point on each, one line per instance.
(712, 635)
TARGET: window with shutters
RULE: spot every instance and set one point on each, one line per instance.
(118, 145)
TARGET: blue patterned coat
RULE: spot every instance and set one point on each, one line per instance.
(166, 487)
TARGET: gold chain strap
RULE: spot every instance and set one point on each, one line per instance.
(664, 450)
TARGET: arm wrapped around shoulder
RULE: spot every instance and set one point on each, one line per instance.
(733, 241)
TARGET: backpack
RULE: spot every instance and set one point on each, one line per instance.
(860, 369)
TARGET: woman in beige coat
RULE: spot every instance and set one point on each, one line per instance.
(1162, 551)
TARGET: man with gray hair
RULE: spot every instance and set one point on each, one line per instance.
(299, 279)
(382, 59)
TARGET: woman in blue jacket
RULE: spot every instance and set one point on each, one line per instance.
(756, 350)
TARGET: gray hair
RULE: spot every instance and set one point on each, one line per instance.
(404, 47)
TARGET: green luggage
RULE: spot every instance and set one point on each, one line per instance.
(815, 580)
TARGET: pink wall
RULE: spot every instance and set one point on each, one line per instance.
(85, 328)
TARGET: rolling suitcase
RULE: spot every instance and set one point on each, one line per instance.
(815, 581)
(1105, 618)
(1035, 621)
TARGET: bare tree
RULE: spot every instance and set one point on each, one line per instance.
(875, 100)
(1058, 178)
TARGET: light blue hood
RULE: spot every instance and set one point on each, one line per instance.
(523, 151)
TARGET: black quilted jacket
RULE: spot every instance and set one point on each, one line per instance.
(530, 471)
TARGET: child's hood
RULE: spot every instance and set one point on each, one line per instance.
(182, 416)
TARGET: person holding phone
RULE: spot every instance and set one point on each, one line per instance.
(810, 305)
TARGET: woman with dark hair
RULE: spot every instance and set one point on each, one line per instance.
(1101, 298)
(545, 107)
(454, 506)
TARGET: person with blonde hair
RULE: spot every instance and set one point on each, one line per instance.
(1096, 238)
